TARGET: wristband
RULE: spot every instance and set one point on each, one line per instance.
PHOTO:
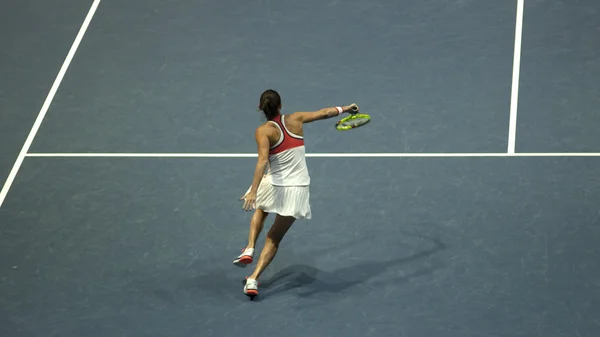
(339, 109)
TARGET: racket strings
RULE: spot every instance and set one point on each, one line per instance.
(355, 121)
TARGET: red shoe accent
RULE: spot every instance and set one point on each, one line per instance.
(246, 259)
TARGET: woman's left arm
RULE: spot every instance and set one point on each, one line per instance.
(262, 141)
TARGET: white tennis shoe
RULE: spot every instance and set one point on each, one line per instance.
(251, 287)
(245, 258)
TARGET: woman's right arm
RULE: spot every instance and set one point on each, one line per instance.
(325, 113)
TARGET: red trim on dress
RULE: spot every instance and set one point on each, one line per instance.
(289, 141)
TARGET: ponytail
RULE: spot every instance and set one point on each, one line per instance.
(270, 101)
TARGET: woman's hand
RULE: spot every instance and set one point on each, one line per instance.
(249, 201)
(352, 108)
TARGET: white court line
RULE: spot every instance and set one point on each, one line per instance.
(46, 105)
(314, 155)
(514, 96)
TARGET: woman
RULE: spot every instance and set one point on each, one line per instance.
(284, 190)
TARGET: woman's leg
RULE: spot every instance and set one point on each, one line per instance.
(280, 227)
(256, 226)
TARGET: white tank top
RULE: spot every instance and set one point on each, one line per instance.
(287, 158)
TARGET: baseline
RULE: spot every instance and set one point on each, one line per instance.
(312, 155)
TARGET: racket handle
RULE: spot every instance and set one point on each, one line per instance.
(354, 109)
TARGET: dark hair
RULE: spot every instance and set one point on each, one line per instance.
(270, 102)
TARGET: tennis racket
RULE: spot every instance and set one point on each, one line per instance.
(353, 121)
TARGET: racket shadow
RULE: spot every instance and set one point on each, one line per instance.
(344, 278)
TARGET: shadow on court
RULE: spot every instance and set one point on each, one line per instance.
(315, 282)
(219, 281)
(297, 271)
(312, 281)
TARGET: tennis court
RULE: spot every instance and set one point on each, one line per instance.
(468, 206)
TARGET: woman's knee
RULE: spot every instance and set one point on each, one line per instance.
(280, 228)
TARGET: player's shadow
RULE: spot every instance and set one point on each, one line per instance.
(313, 281)
(216, 282)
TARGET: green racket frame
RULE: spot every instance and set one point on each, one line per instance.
(340, 124)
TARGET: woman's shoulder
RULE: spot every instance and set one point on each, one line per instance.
(268, 128)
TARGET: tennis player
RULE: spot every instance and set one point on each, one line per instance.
(284, 189)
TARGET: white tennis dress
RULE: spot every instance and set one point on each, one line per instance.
(285, 190)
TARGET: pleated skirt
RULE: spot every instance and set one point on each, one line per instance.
(291, 201)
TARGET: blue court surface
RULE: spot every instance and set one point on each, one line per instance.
(468, 207)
